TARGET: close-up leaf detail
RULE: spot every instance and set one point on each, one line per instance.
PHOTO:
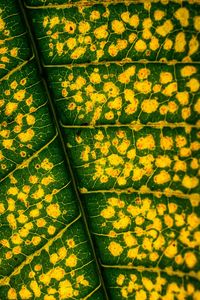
(100, 149)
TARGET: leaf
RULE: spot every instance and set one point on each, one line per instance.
(122, 134)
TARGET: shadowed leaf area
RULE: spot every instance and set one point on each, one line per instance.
(99, 155)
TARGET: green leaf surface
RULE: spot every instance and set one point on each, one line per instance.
(99, 158)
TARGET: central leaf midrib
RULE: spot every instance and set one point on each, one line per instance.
(56, 123)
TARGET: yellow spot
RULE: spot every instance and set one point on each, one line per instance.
(12, 295)
(190, 182)
(197, 23)
(163, 161)
(35, 288)
(115, 248)
(46, 164)
(7, 143)
(165, 29)
(83, 27)
(154, 43)
(51, 230)
(10, 108)
(193, 84)
(78, 52)
(95, 77)
(14, 52)
(65, 289)
(171, 250)
(101, 32)
(147, 284)
(159, 14)
(129, 239)
(125, 76)
(123, 222)
(131, 154)
(182, 14)
(34, 213)
(38, 194)
(33, 179)
(108, 212)
(188, 71)
(183, 97)
(166, 142)
(162, 178)
(12, 222)
(26, 136)
(149, 105)
(140, 46)
(47, 180)
(25, 293)
(71, 261)
(190, 259)
(168, 44)
(95, 15)
(53, 210)
(193, 45)
(19, 95)
(120, 279)
(143, 87)
(146, 142)
(118, 27)
(165, 77)
(134, 21)
(2, 208)
(180, 42)
(70, 27)
(141, 295)
(36, 240)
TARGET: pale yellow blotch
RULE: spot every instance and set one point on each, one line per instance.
(115, 249)
(182, 14)
(53, 210)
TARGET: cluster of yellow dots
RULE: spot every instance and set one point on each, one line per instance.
(5, 51)
(148, 239)
(23, 221)
(66, 284)
(83, 95)
(127, 161)
(144, 287)
(87, 35)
